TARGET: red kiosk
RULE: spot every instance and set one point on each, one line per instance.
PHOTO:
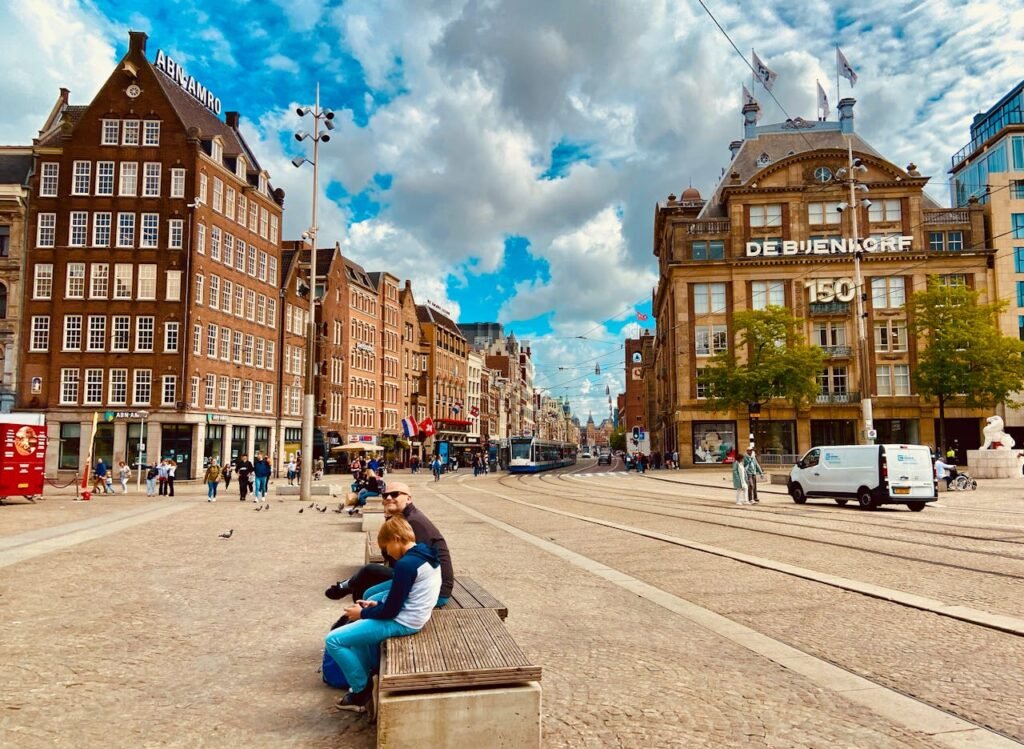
(22, 455)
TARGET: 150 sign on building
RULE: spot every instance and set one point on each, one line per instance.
(824, 290)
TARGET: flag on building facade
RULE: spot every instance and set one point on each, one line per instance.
(427, 427)
(763, 73)
(822, 102)
(456, 408)
(474, 411)
(409, 427)
(844, 68)
(641, 317)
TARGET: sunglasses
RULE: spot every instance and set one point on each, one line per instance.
(393, 495)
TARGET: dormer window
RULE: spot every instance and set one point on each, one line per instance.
(764, 160)
(240, 168)
(263, 183)
(217, 151)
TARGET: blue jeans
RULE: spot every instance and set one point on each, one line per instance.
(363, 494)
(356, 647)
(260, 487)
(211, 492)
(379, 591)
(150, 487)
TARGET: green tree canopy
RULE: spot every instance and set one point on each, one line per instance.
(779, 363)
(617, 441)
(964, 356)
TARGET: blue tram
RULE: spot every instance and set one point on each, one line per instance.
(531, 454)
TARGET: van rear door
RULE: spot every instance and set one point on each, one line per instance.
(911, 475)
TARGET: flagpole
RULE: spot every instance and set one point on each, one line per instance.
(838, 96)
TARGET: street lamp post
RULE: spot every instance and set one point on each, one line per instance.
(863, 359)
(143, 415)
(309, 401)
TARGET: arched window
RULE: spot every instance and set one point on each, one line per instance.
(3, 302)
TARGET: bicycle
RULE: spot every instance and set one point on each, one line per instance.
(963, 482)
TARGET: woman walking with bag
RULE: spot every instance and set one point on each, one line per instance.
(739, 483)
(171, 468)
(212, 478)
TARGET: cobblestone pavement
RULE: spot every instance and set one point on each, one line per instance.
(161, 634)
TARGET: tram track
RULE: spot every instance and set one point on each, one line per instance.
(1000, 724)
(587, 499)
(764, 510)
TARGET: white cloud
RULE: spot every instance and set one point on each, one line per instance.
(47, 46)
(278, 61)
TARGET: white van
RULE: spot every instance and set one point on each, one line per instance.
(871, 474)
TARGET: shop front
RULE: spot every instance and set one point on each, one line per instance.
(833, 432)
(176, 445)
(214, 444)
(714, 442)
(239, 442)
(898, 431)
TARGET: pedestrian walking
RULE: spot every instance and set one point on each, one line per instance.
(161, 477)
(172, 467)
(212, 479)
(99, 481)
(226, 473)
(675, 460)
(151, 475)
(753, 471)
(261, 475)
(739, 482)
(244, 469)
(123, 474)
(435, 468)
(319, 472)
(290, 470)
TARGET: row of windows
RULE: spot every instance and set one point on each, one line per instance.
(130, 133)
(833, 382)
(132, 230)
(359, 387)
(127, 173)
(224, 248)
(233, 393)
(99, 283)
(887, 292)
(360, 300)
(87, 387)
(826, 213)
(294, 360)
(234, 346)
(362, 360)
(94, 336)
(235, 206)
(890, 337)
(362, 331)
(296, 319)
(233, 298)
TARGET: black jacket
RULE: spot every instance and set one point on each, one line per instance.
(244, 470)
(427, 533)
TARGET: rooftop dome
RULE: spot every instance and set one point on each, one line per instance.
(691, 193)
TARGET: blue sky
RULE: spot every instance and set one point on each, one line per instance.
(507, 156)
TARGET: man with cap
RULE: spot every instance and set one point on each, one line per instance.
(753, 469)
(376, 578)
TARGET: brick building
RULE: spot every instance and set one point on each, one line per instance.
(446, 351)
(391, 354)
(777, 231)
(154, 266)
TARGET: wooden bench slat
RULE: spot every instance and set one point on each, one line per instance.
(457, 648)
(468, 594)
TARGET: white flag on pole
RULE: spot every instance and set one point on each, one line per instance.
(822, 102)
(763, 73)
(844, 68)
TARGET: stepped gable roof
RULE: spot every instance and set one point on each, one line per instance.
(15, 168)
(428, 314)
(287, 258)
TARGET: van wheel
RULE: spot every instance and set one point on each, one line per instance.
(865, 500)
(842, 502)
(915, 506)
(797, 493)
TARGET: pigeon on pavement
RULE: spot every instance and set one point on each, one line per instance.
(311, 505)
(323, 509)
(301, 510)
(226, 534)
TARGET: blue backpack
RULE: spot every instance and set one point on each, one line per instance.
(329, 669)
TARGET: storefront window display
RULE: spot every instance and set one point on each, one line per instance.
(714, 441)
(776, 438)
(898, 431)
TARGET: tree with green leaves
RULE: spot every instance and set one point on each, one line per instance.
(617, 441)
(779, 364)
(964, 357)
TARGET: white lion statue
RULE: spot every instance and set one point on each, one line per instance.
(995, 437)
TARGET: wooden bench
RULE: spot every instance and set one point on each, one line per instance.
(469, 594)
(373, 553)
(460, 681)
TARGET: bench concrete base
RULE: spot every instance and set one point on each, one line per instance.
(779, 478)
(286, 491)
(487, 717)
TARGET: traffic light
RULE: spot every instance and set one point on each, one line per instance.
(636, 433)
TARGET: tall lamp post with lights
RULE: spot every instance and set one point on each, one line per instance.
(848, 176)
(310, 236)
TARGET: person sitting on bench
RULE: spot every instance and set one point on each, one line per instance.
(369, 578)
(367, 486)
(402, 610)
